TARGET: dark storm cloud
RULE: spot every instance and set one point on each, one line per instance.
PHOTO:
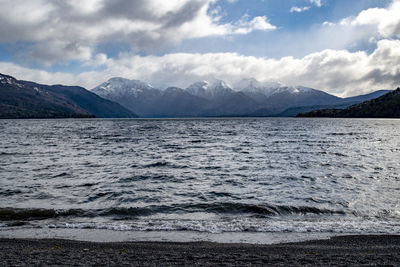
(382, 76)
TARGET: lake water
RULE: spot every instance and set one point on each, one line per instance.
(238, 180)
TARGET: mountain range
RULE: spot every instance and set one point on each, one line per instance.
(123, 98)
(249, 97)
(24, 99)
(386, 106)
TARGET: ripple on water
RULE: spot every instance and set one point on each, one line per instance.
(291, 170)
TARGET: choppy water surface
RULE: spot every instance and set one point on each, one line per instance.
(202, 175)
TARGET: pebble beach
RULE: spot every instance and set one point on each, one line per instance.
(368, 250)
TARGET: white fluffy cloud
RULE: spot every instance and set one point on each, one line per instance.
(316, 2)
(244, 25)
(378, 22)
(70, 30)
(387, 20)
(339, 72)
(299, 9)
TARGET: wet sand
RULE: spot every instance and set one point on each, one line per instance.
(342, 250)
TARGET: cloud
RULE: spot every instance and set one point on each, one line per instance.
(387, 20)
(53, 31)
(40, 76)
(340, 72)
(316, 2)
(361, 31)
(72, 30)
(376, 22)
(299, 9)
(244, 26)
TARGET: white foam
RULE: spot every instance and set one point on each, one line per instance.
(357, 226)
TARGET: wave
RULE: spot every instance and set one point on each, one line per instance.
(14, 214)
(231, 217)
(218, 208)
(10, 192)
(221, 209)
(156, 164)
(159, 164)
(243, 225)
(349, 133)
(229, 208)
(267, 209)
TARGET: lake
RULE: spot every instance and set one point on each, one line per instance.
(253, 180)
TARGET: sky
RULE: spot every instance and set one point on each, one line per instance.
(343, 47)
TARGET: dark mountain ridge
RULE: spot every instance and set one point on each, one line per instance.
(386, 106)
(24, 99)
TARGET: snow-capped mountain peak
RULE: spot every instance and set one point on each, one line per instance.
(118, 82)
(294, 89)
(220, 84)
(198, 86)
(268, 89)
(254, 86)
(207, 89)
(7, 79)
(120, 86)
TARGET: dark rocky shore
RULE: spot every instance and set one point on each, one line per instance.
(344, 250)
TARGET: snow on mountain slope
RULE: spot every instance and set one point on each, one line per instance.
(253, 86)
(119, 87)
(267, 89)
(215, 98)
(5, 79)
(210, 90)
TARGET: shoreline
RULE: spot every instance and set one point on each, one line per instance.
(107, 235)
(339, 250)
